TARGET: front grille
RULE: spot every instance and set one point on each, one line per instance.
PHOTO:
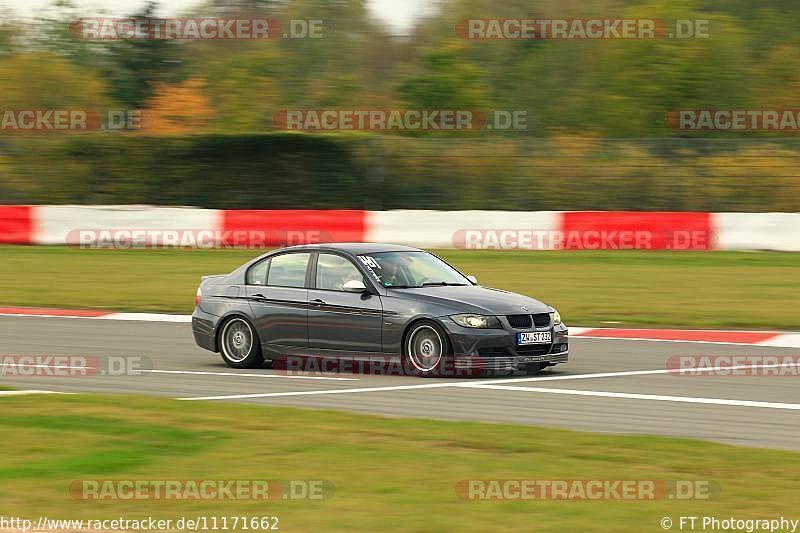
(539, 320)
(520, 321)
(534, 349)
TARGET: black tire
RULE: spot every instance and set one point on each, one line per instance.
(239, 344)
(426, 349)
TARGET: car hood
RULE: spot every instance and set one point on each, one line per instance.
(474, 299)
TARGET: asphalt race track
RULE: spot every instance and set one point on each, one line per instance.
(633, 394)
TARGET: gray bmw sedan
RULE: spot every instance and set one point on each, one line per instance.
(363, 301)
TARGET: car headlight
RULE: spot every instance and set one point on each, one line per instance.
(476, 321)
(556, 317)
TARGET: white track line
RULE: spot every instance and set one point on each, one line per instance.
(677, 372)
(52, 367)
(147, 317)
(26, 315)
(137, 317)
(25, 392)
(656, 397)
(480, 384)
(320, 392)
(156, 371)
(235, 374)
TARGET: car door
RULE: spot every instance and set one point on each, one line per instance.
(278, 298)
(341, 320)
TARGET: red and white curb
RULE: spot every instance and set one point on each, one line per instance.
(775, 339)
(91, 314)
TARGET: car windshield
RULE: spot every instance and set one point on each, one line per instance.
(400, 270)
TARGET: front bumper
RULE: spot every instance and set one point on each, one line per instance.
(497, 349)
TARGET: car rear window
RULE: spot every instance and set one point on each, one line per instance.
(257, 274)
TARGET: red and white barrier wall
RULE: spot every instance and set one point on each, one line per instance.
(57, 224)
(170, 226)
(16, 224)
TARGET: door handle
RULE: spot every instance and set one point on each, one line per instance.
(318, 301)
(259, 296)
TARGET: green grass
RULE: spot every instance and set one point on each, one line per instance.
(690, 289)
(387, 474)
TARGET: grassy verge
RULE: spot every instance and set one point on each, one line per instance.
(719, 289)
(388, 474)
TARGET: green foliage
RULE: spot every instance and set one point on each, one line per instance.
(615, 88)
(294, 170)
(223, 171)
(447, 81)
(133, 67)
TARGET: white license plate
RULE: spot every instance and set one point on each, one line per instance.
(534, 337)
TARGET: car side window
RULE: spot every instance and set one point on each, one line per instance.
(333, 271)
(288, 270)
(257, 274)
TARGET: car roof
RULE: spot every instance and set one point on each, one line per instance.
(354, 248)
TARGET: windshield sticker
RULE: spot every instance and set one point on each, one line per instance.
(371, 265)
(369, 261)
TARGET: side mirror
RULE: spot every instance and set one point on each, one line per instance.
(354, 285)
(472, 279)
